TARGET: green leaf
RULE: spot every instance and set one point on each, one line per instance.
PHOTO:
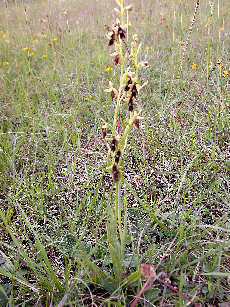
(5, 290)
(114, 246)
(96, 274)
(132, 278)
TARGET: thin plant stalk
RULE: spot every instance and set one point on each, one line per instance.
(125, 99)
(118, 207)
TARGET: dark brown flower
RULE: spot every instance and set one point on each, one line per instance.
(130, 104)
(104, 132)
(113, 144)
(112, 39)
(134, 91)
(112, 95)
(127, 85)
(115, 172)
(121, 33)
(137, 123)
(116, 60)
(117, 156)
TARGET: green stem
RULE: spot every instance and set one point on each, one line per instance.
(136, 63)
(120, 88)
(126, 132)
(122, 12)
(121, 74)
(118, 210)
(116, 114)
(118, 207)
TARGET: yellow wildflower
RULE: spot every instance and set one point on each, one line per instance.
(181, 43)
(30, 54)
(222, 29)
(54, 39)
(25, 48)
(44, 56)
(90, 96)
(5, 63)
(207, 25)
(109, 69)
(35, 41)
(194, 66)
(226, 73)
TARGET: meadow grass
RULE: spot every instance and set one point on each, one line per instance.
(55, 192)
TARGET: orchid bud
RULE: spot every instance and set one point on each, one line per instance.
(137, 123)
(104, 130)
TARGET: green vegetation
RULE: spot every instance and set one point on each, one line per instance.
(59, 242)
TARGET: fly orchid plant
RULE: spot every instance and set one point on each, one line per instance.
(125, 98)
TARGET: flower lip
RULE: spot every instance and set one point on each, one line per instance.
(115, 172)
(116, 60)
(121, 32)
(137, 123)
(127, 85)
(113, 144)
(104, 133)
(117, 156)
(112, 39)
(130, 104)
(113, 96)
(134, 90)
